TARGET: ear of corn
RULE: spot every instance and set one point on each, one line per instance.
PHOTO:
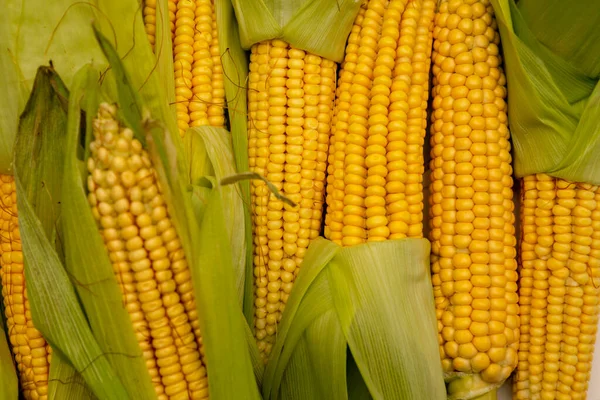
(353, 282)
(376, 155)
(290, 99)
(198, 70)
(471, 202)
(147, 257)
(218, 310)
(560, 271)
(290, 103)
(554, 91)
(31, 351)
(10, 386)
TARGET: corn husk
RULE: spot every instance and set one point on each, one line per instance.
(71, 385)
(553, 87)
(317, 26)
(371, 300)
(235, 67)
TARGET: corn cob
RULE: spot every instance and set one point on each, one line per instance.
(290, 101)
(376, 156)
(198, 71)
(471, 199)
(148, 259)
(31, 351)
(559, 287)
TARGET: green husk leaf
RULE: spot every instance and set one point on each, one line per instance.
(87, 260)
(553, 104)
(34, 33)
(322, 28)
(54, 305)
(257, 362)
(64, 382)
(163, 50)
(231, 377)
(235, 72)
(256, 22)
(318, 26)
(306, 303)
(380, 294)
(8, 375)
(128, 98)
(209, 150)
(318, 361)
(14, 90)
(574, 34)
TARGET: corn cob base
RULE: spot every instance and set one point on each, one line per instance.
(31, 351)
(559, 287)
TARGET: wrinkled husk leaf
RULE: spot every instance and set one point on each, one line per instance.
(66, 383)
(235, 70)
(39, 148)
(574, 33)
(31, 34)
(553, 88)
(8, 375)
(380, 295)
(210, 148)
(318, 26)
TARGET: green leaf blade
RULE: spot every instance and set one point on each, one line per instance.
(383, 297)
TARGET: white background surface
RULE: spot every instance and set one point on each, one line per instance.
(594, 389)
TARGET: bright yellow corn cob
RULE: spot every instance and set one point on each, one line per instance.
(198, 71)
(290, 102)
(31, 351)
(376, 156)
(559, 287)
(148, 259)
(471, 198)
